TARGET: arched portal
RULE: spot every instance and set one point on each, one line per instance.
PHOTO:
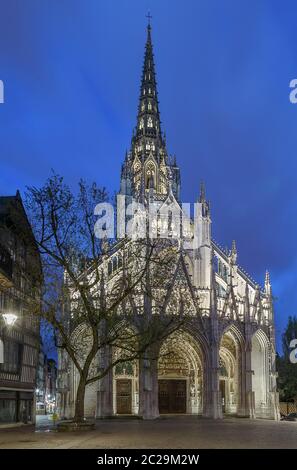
(125, 374)
(260, 368)
(180, 375)
(125, 387)
(229, 371)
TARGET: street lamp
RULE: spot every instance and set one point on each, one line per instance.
(9, 318)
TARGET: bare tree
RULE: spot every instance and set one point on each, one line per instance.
(99, 296)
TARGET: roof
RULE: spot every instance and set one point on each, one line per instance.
(13, 216)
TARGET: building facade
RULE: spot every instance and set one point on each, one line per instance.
(46, 385)
(50, 385)
(20, 275)
(222, 360)
(41, 382)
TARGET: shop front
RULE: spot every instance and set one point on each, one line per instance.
(16, 406)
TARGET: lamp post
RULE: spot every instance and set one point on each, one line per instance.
(9, 318)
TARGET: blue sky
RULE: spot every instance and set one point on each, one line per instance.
(71, 71)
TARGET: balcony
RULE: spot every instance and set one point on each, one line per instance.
(5, 268)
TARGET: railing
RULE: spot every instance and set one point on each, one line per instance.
(9, 376)
(287, 407)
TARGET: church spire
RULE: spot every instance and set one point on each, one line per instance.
(148, 169)
(148, 119)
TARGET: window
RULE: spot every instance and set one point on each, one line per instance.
(7, 411)
(149, 91)
(150, 176)
(149, 146)
(12, 357)
(149, 122)
(25, 410)
(109, 268)
(221, 292)
(124, 368)
(149, 106)
(141, 124)
(23, 250)
(114, 263)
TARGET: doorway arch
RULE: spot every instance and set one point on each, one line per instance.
(260, 368)
(180, 375)
(230, 353)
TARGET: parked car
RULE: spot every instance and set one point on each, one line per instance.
(290, 417)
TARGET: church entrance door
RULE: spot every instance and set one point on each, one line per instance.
(124, 396)
(172, 396)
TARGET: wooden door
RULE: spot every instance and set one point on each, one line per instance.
(124, 396)
(172, 396)
(164, 391)
(179, 396)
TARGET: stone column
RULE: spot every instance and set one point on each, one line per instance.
(247, 408)
(34, 409)
(213, 408)
(104, 406)
(213, 399)
(274, 403)
(148, 385)
(273, 394)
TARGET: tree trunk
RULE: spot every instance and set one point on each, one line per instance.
(80, 399)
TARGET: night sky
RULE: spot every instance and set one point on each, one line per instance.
(71, 71)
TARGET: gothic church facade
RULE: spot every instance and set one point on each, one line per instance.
(223, 361)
